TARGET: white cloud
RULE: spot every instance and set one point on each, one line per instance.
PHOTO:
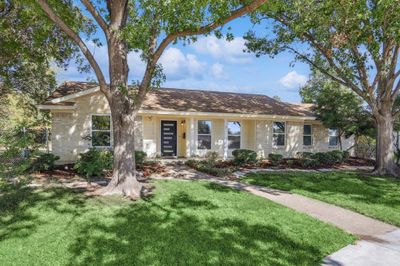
(177, 65)
(228, 51)
(217, 71)
(293, 80)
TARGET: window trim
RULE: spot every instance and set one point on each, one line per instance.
(284, 134)
(227, 134)
(100, 130)
(211, 135)
(309, 135)
(337, 136)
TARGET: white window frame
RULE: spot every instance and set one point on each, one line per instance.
(284, 134)
(337, 136)
(308, 135)
(198, 134)
(240, 135)
(100, 130)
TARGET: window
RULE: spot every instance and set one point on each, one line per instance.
(333, 137)
(307, 135)
(278, 133)
(204, 134)
(234, 135)
(101, 131)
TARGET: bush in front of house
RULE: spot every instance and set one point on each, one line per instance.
(44, 162)
(304, 155)
(244, 156)
(275, 159)
(140, 156)
(346, 155)
(215, 170)
(324, 158)
(94, 162)
(337, 156)
(211, 157)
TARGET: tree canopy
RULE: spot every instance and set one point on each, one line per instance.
(354, 43)
(337, 107)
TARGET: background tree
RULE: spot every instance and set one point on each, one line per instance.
(355, 43)
(337, 107)
(30, 46)
(148, 26)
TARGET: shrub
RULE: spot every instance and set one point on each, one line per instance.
(324, 158)
(213, 170)
(44, 162)
(211, 157)
(336, 155)
(140, 156)
(290, 163)
(191, 163)
(93, 162)
(275, 159)
(304, 155)
(309, 163)
(346, 155)
(244, 156)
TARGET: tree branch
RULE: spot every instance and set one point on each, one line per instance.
(150, 65)
(96, 15)
(207, 28)
(75, 37)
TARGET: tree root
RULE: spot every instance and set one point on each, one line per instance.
(129, 188)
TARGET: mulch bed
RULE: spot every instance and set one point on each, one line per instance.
(66, 173)
(351, 162)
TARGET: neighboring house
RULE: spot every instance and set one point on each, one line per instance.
(186, 123)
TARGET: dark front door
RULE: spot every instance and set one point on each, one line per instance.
(168, 138)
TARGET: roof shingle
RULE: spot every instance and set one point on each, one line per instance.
(187, 100)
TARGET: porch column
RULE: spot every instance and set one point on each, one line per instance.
(225, 139)
(192, 142)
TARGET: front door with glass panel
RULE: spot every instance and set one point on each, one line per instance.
(168, 138)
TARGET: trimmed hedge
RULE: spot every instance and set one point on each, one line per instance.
(275, 159)
(244, 156)
(205, 167)
(309, 160)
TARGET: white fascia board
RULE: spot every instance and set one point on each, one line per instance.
(227, 115)
(75, 95)
(55, 107)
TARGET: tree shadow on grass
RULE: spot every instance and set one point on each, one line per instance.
(220, 188)
(146, 233)
(18, 219)
(358, 187)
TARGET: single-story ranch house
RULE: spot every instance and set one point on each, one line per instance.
(187, 123)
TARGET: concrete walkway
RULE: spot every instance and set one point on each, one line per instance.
(379, 244)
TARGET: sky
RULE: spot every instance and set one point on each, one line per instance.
(214, 64)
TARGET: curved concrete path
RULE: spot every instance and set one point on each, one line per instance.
(380, 242)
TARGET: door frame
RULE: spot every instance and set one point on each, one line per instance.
(160, 138)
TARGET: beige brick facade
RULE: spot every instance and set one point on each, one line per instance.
(71, 131)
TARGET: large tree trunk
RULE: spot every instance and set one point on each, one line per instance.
(124, 179)
(123, 115)
(385, 163)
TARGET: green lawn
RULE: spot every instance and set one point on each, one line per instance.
(376, 197)
(184, 223)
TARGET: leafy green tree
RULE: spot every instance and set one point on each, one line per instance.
(29, 46)
(355, 43)
(148, 26)
(337, 107)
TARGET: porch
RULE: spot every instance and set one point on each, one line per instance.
(190, 136)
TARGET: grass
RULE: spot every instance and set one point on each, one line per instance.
(185, 222)
(377, 197)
